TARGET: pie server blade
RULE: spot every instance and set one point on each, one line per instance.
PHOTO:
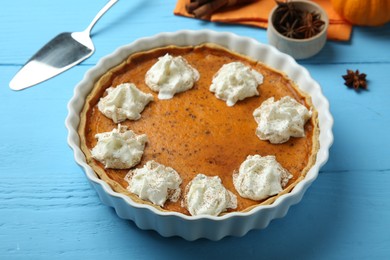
(58, 55)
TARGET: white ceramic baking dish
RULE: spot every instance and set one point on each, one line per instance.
(194, 227)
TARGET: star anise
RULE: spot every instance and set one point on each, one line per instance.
(355, 79)
(289, 30)
(286, 12)
(293, 22)
(312, 24)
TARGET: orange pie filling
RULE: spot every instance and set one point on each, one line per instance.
(194, 132)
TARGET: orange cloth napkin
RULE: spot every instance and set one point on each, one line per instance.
(256, 14)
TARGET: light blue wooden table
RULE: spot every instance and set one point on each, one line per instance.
(49, 211)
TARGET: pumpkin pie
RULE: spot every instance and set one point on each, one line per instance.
(194, 132)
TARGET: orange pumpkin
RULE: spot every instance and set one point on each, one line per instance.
(364, 12)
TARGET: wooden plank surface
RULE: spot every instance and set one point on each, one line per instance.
(49, 211)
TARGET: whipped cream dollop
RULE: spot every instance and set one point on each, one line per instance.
(206, 195)
(171, 75)
(155, 183)
(235, 81)
(120, 148)
(124, 101)
(280, 120)
(260, 177)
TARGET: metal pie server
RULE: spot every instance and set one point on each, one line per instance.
(61, 53)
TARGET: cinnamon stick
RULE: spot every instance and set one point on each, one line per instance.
(205, 8)
(194, 4)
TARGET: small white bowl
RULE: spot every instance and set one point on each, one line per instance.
(195, 227)
(299, 48)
